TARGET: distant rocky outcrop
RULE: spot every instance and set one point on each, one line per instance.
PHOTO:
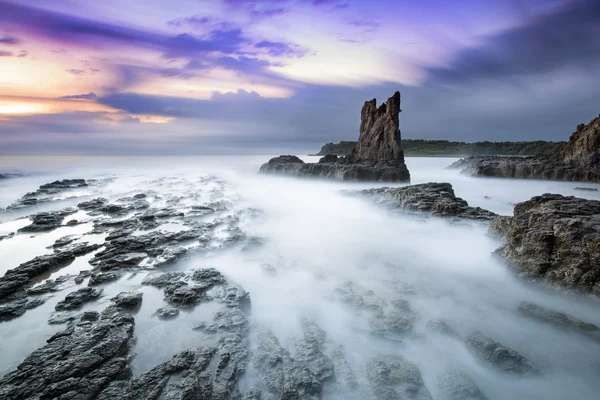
(436, 198)
(378, 155)
(422, 147)
(577, 160)
(343, 148)
(555, 238)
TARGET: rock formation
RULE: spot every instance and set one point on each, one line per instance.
(343, 148)
(378, 155)
(577, 160)
(556, 238)
(433, 197)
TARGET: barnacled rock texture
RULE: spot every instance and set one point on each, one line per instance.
(77, 363)
(577, 160)
(378, 155)
(437, 198)
(556, 238)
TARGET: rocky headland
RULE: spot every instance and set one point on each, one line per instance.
(378, 155)
(577, 160)
(424, 148)
(554, 238)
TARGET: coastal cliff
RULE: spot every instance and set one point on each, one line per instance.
(577, 160)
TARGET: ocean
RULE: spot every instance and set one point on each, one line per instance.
(298, 246)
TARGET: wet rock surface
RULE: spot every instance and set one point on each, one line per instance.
(79, 362)
(556, 238)
(437, 198)
(378, 155)
(47, 221)
(16, 286)
(77, 299)
(577, 160)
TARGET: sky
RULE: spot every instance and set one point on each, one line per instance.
(269, 76)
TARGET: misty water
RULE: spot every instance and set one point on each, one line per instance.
(315, 242)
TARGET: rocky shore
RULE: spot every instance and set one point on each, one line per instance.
(577, 160)
(378, 155)
(99, 315)
(554, 238)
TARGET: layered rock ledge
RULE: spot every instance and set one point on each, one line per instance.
(577, 160)
(436, 198)
(555, 238)
(378, 155)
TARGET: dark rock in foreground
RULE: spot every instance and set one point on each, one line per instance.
(577, 160)
(438, 198)
(378, 155)
(77, 363)
(556, 238)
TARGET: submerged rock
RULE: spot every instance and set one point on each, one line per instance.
(556, 238)
(167, 312)
(392, 377)
(577, 160)
(456, 385)
(437, 198)
(77, 363)
(559, 320)
(500, 356)
(378, 155)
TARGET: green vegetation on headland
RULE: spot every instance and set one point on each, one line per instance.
(420, 147)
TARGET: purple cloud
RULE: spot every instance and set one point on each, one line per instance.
(278, 49)
(194, 21)
(86, 96)
(270, 13)
(185, 45)
(9, 40)
(75, 71)
(4, 53)
(23, 53)
(567, 38)
(71, 30)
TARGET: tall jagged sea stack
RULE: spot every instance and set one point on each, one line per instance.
(378, 156)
